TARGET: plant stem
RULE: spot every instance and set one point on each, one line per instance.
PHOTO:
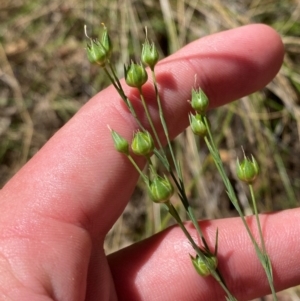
(149, 118)
(263, 247)
(163, 122)
(266, 260)
(215, 273)
(180, 184)
(262, 256)
(137, 168)
(116, 83)
(178, 170)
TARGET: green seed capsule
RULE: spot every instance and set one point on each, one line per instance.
(96, 53)
(149, 54)
(199, 101)
(121, 144)
(135, 75)
(248, 170)
(201, 267)
(197, 125)
(142, 144)
(160, 189)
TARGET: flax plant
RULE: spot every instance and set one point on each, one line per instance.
(160, 187)
(247, 171)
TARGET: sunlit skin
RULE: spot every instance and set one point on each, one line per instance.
(57, 210)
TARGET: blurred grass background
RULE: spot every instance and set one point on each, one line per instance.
(45, 78)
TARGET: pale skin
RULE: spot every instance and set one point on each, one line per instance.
(56, 211)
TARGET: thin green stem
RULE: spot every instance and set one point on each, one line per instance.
(265, 258)
(116, 83)
(196, 225)
(150, 163)
(149, 118)
(163, 158)
(182, 195)
(163, 122)
(114, 74)
(263, 247)
(112, 80)
(137, 168)
(161, 155)
(178, 170)
(230, 191)
(262, 256)
(176, 216)
(201, 253)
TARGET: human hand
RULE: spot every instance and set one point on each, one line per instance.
(57, 209)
